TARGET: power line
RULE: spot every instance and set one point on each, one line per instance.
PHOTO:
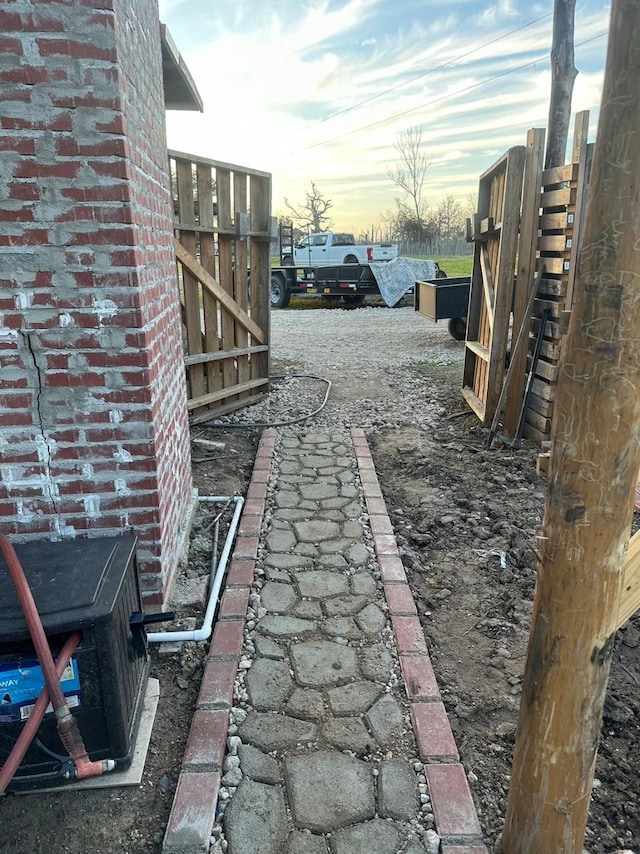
(429, 71)
(442, 97)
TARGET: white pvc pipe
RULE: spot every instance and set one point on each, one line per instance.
(205, 631)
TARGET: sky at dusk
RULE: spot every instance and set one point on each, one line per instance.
(321, 91)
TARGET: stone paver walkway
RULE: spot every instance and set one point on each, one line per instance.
(319, 728)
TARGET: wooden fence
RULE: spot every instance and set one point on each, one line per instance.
(495, 234)
(542, 211)
(223, 233)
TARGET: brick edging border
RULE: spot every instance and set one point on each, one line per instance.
(454, 811)
(194, 805)
(193, 811)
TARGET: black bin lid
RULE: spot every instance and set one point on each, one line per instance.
(74, 583)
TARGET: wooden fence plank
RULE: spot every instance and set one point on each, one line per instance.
(525, 275)
(559, 174)
(223, 393)
(558, 198)
(241, 279)
(194, 267)
(260, 255)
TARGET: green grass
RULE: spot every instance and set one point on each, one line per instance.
(453, 265)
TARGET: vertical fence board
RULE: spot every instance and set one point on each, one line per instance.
(260, 196)
(241, 283)
(525, 276)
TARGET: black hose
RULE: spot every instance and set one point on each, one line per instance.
(250, 425)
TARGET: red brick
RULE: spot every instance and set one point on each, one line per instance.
(357, 433)
(391, 568)
(246, 547)
(257, 491)
(377, 506)
(419, 679)
(433, 732)
(380, 524)
(9, 45)
(262, 464)
(464, 849)
(249, 526)
(234, 602)
(368, 476)
(385, 544)
(259, 476)
(453, 806)
(253, 507)
(408, 634)
(365, 464)
(371, 490)
(241, 572)
(227, 638)
(264, 452)
(28, 168)
(78, 49)
(193, 812)
(399, 599)
(216, 688)
(206, 744)
(362, 449)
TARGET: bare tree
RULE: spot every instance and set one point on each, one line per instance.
(563, 75)
(470, 205)
(450, 218)
(411, 169)
(312, 214)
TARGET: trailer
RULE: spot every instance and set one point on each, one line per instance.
(390, 280)
(445, 298)
(351, 282)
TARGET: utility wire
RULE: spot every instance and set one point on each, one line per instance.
(429, 71)
(442, 97)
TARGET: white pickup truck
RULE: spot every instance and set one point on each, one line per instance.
(330, 248)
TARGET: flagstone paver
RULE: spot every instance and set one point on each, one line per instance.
(333, 680)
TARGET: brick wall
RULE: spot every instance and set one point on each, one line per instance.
(94, 436)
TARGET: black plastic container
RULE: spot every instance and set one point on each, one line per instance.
(90, 586)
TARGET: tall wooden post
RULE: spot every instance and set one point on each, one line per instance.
(595, 458)
(563, 75)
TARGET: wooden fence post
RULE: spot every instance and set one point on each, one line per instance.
(593, 470)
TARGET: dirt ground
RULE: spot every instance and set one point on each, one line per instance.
(131, 820)
(465, 519)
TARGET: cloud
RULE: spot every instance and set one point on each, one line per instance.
(320, 91)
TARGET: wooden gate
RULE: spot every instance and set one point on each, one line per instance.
(495, 234)
(223, 232)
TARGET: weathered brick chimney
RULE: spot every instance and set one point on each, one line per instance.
(94, 436)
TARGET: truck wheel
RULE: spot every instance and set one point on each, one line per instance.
(354, 299)
(279, 296)
(351, 259)
(458, 328)
(287, 261)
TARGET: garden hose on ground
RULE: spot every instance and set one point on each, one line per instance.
(263, 424)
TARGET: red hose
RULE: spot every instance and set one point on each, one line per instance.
(67, 725)
(30, 611)
(29, 730)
